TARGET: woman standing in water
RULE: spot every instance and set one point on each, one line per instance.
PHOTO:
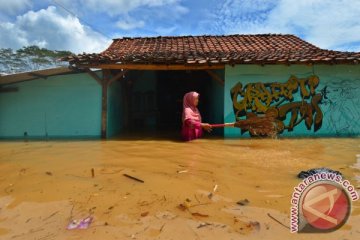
(191, 118)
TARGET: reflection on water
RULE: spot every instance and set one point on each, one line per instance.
(44, 184)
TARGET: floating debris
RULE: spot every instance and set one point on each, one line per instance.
(185, 207)
(49, 173)
(243, 202)
(133, 178)
(196, 214)
(277, 221)
(248, 227)
(9, 189)
(182, 171)
(22, 171)
(254, 225)
(204, 224)
(212, 193)
(92, 172)
(53, 214)
(182, 207)
(80, 224)
(310, 172)
(144, 214)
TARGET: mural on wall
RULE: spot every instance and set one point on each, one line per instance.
(262, 108)
(340, 104)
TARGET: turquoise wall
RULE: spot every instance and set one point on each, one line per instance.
(341, 109)
(216, 101)
(143, 86)
(70, 105)
(59, 106)
(115, 109)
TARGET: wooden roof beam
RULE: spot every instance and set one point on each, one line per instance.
(154, 66)
(116, 77)
(94, 75)
(215, 77)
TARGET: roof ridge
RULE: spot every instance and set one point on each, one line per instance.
(207, 35)
(216, 49)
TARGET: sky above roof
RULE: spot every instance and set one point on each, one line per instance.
(90, 25)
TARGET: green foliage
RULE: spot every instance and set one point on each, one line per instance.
(42, 52)
(30, 58)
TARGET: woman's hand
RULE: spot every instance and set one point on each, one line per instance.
(206, 126)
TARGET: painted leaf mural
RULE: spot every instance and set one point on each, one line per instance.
(262, 108)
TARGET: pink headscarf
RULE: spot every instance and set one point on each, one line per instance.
(190, 111)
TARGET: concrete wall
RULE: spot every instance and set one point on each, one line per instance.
(59, 106)
(341, 109)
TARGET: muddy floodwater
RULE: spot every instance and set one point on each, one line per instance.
(44, 185)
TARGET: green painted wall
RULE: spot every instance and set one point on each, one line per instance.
(341, 109)
(143, 100)
(115, 109)
(59, 106)
(216, 101)
(70, 105)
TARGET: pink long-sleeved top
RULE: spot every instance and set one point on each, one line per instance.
(191, 118)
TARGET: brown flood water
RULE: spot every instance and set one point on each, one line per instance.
(45, 184)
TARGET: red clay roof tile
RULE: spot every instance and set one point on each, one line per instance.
(230, 49)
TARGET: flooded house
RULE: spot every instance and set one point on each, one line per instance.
(136, 86)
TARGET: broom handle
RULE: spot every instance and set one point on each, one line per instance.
(222, 125)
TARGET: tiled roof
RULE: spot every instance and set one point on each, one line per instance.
(202, 50)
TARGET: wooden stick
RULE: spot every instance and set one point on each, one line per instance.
(50, 216)
(222, 125)
(133, 178)
(277, 220)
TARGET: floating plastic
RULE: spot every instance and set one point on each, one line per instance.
(80, 224)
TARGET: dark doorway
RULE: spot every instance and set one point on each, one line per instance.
(171, 87)
(152, 101)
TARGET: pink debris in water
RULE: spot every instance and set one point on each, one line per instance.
(80, 224)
